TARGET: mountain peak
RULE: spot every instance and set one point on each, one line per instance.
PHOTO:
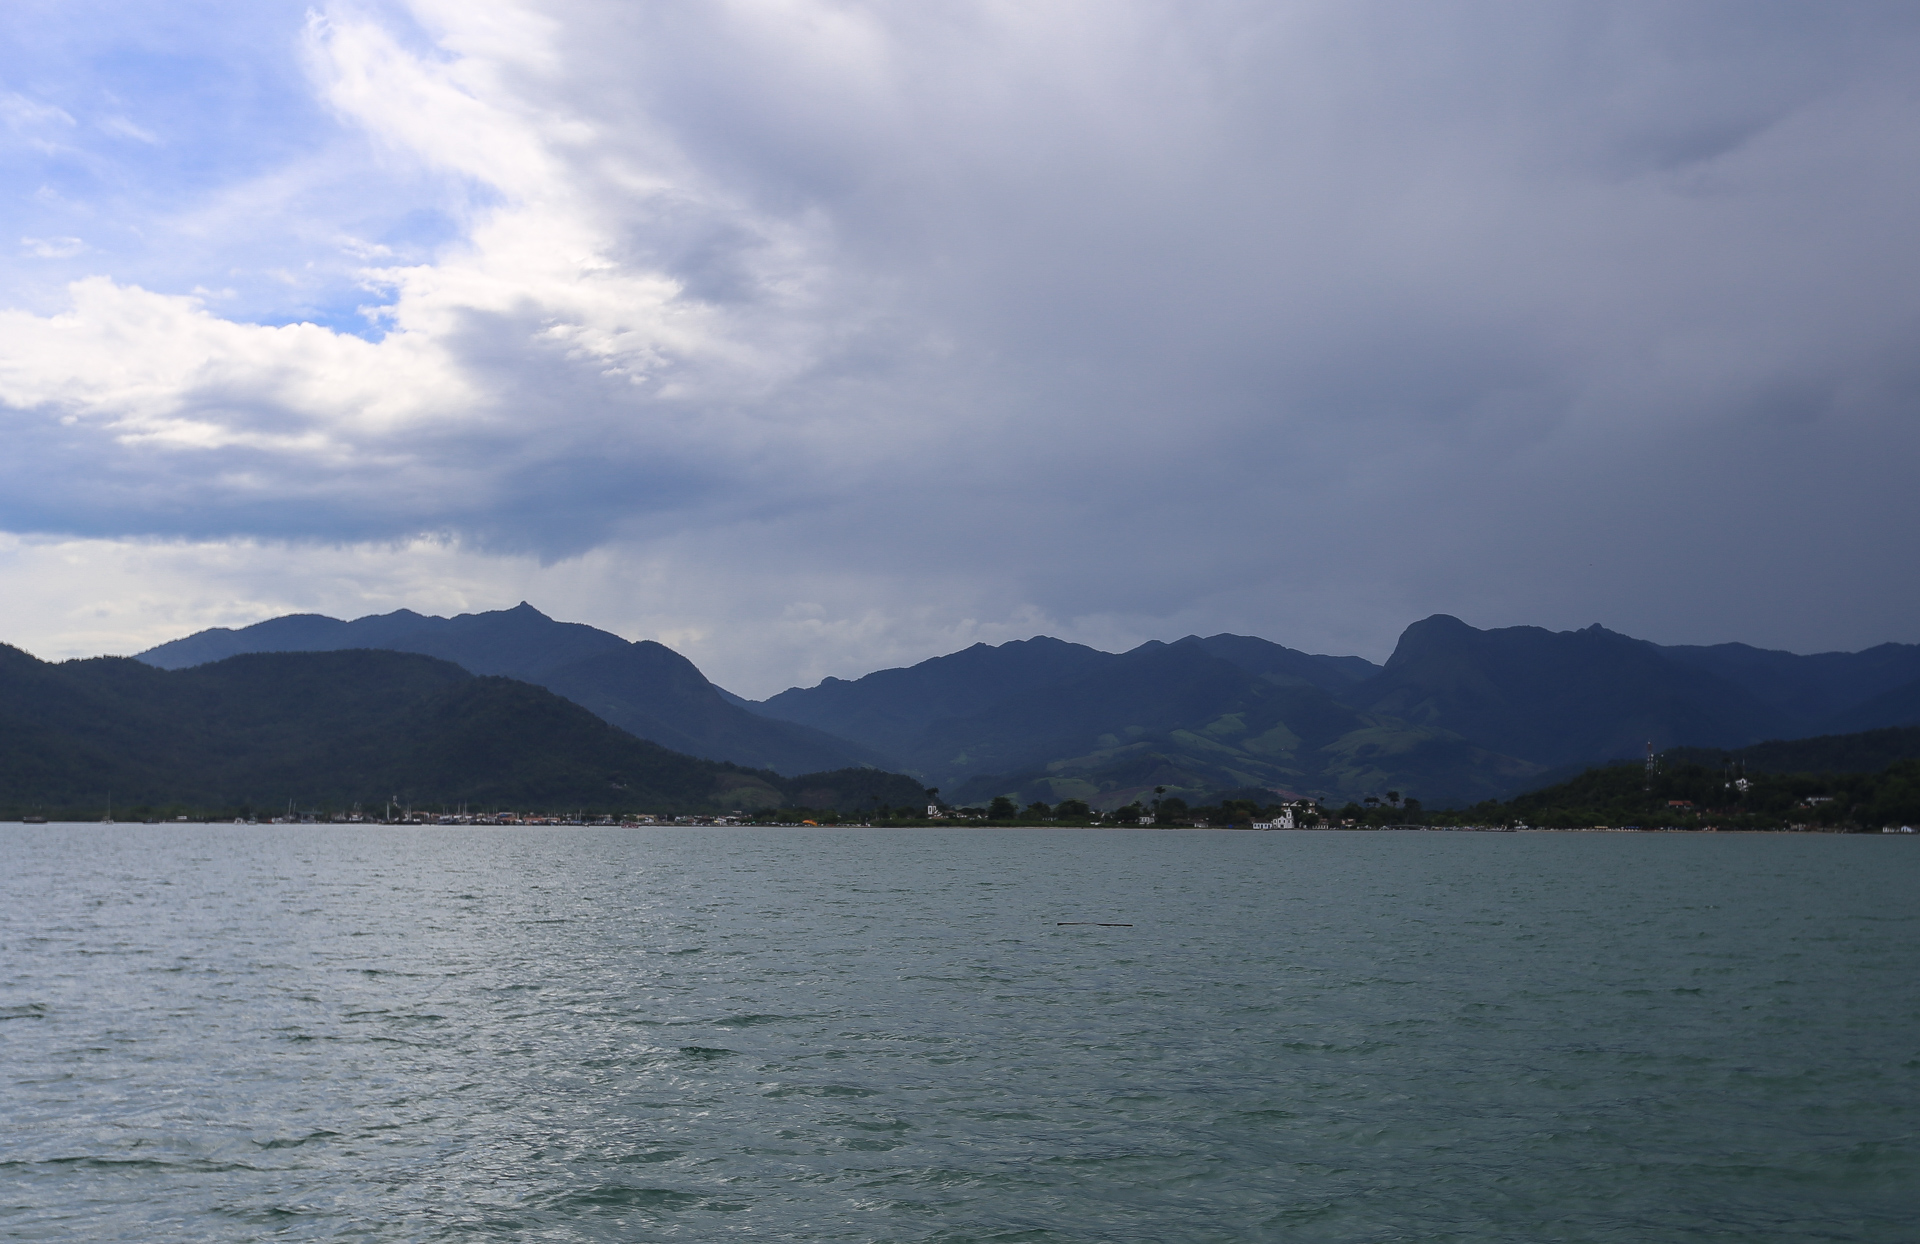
(1441, 622)
(1429, 635)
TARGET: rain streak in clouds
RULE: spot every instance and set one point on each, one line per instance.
(813, 337)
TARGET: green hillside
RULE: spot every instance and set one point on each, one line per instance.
(328, 730)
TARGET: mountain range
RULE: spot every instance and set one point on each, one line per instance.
(1456, 715)
(645, 688)
(258, 731)
(1045, 720)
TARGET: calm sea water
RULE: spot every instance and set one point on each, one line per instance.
(468, 1034)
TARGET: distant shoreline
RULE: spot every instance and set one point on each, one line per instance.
(977, 828)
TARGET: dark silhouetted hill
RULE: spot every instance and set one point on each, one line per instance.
(1456, 714)
(888, 706)
(1898, 707)
(1266, 659)
(649, 690)
(332, 729)
(644, 688)
(883, 707)
(1150, 690)
(1574, 698)
(1823, 691)
(1559, 697)
(1045, 720)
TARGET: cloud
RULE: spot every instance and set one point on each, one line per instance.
(23, 115)
(122, 127)
(53, 248)
(801, 631)
(859, 329)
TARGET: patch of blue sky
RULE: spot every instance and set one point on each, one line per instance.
(174, 99)
(183, 147)
(344, 299)
(355, 312)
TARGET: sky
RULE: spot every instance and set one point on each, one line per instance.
(815, 336)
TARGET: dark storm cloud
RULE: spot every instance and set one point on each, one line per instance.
(1292, 318)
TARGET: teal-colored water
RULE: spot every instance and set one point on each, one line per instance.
(311, 1033)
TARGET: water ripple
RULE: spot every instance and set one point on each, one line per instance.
(461, 1034)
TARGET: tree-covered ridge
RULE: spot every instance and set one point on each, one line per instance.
(1684, 794)
(326, 731)
(1868, 751)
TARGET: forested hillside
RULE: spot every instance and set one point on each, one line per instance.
(330, 730)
